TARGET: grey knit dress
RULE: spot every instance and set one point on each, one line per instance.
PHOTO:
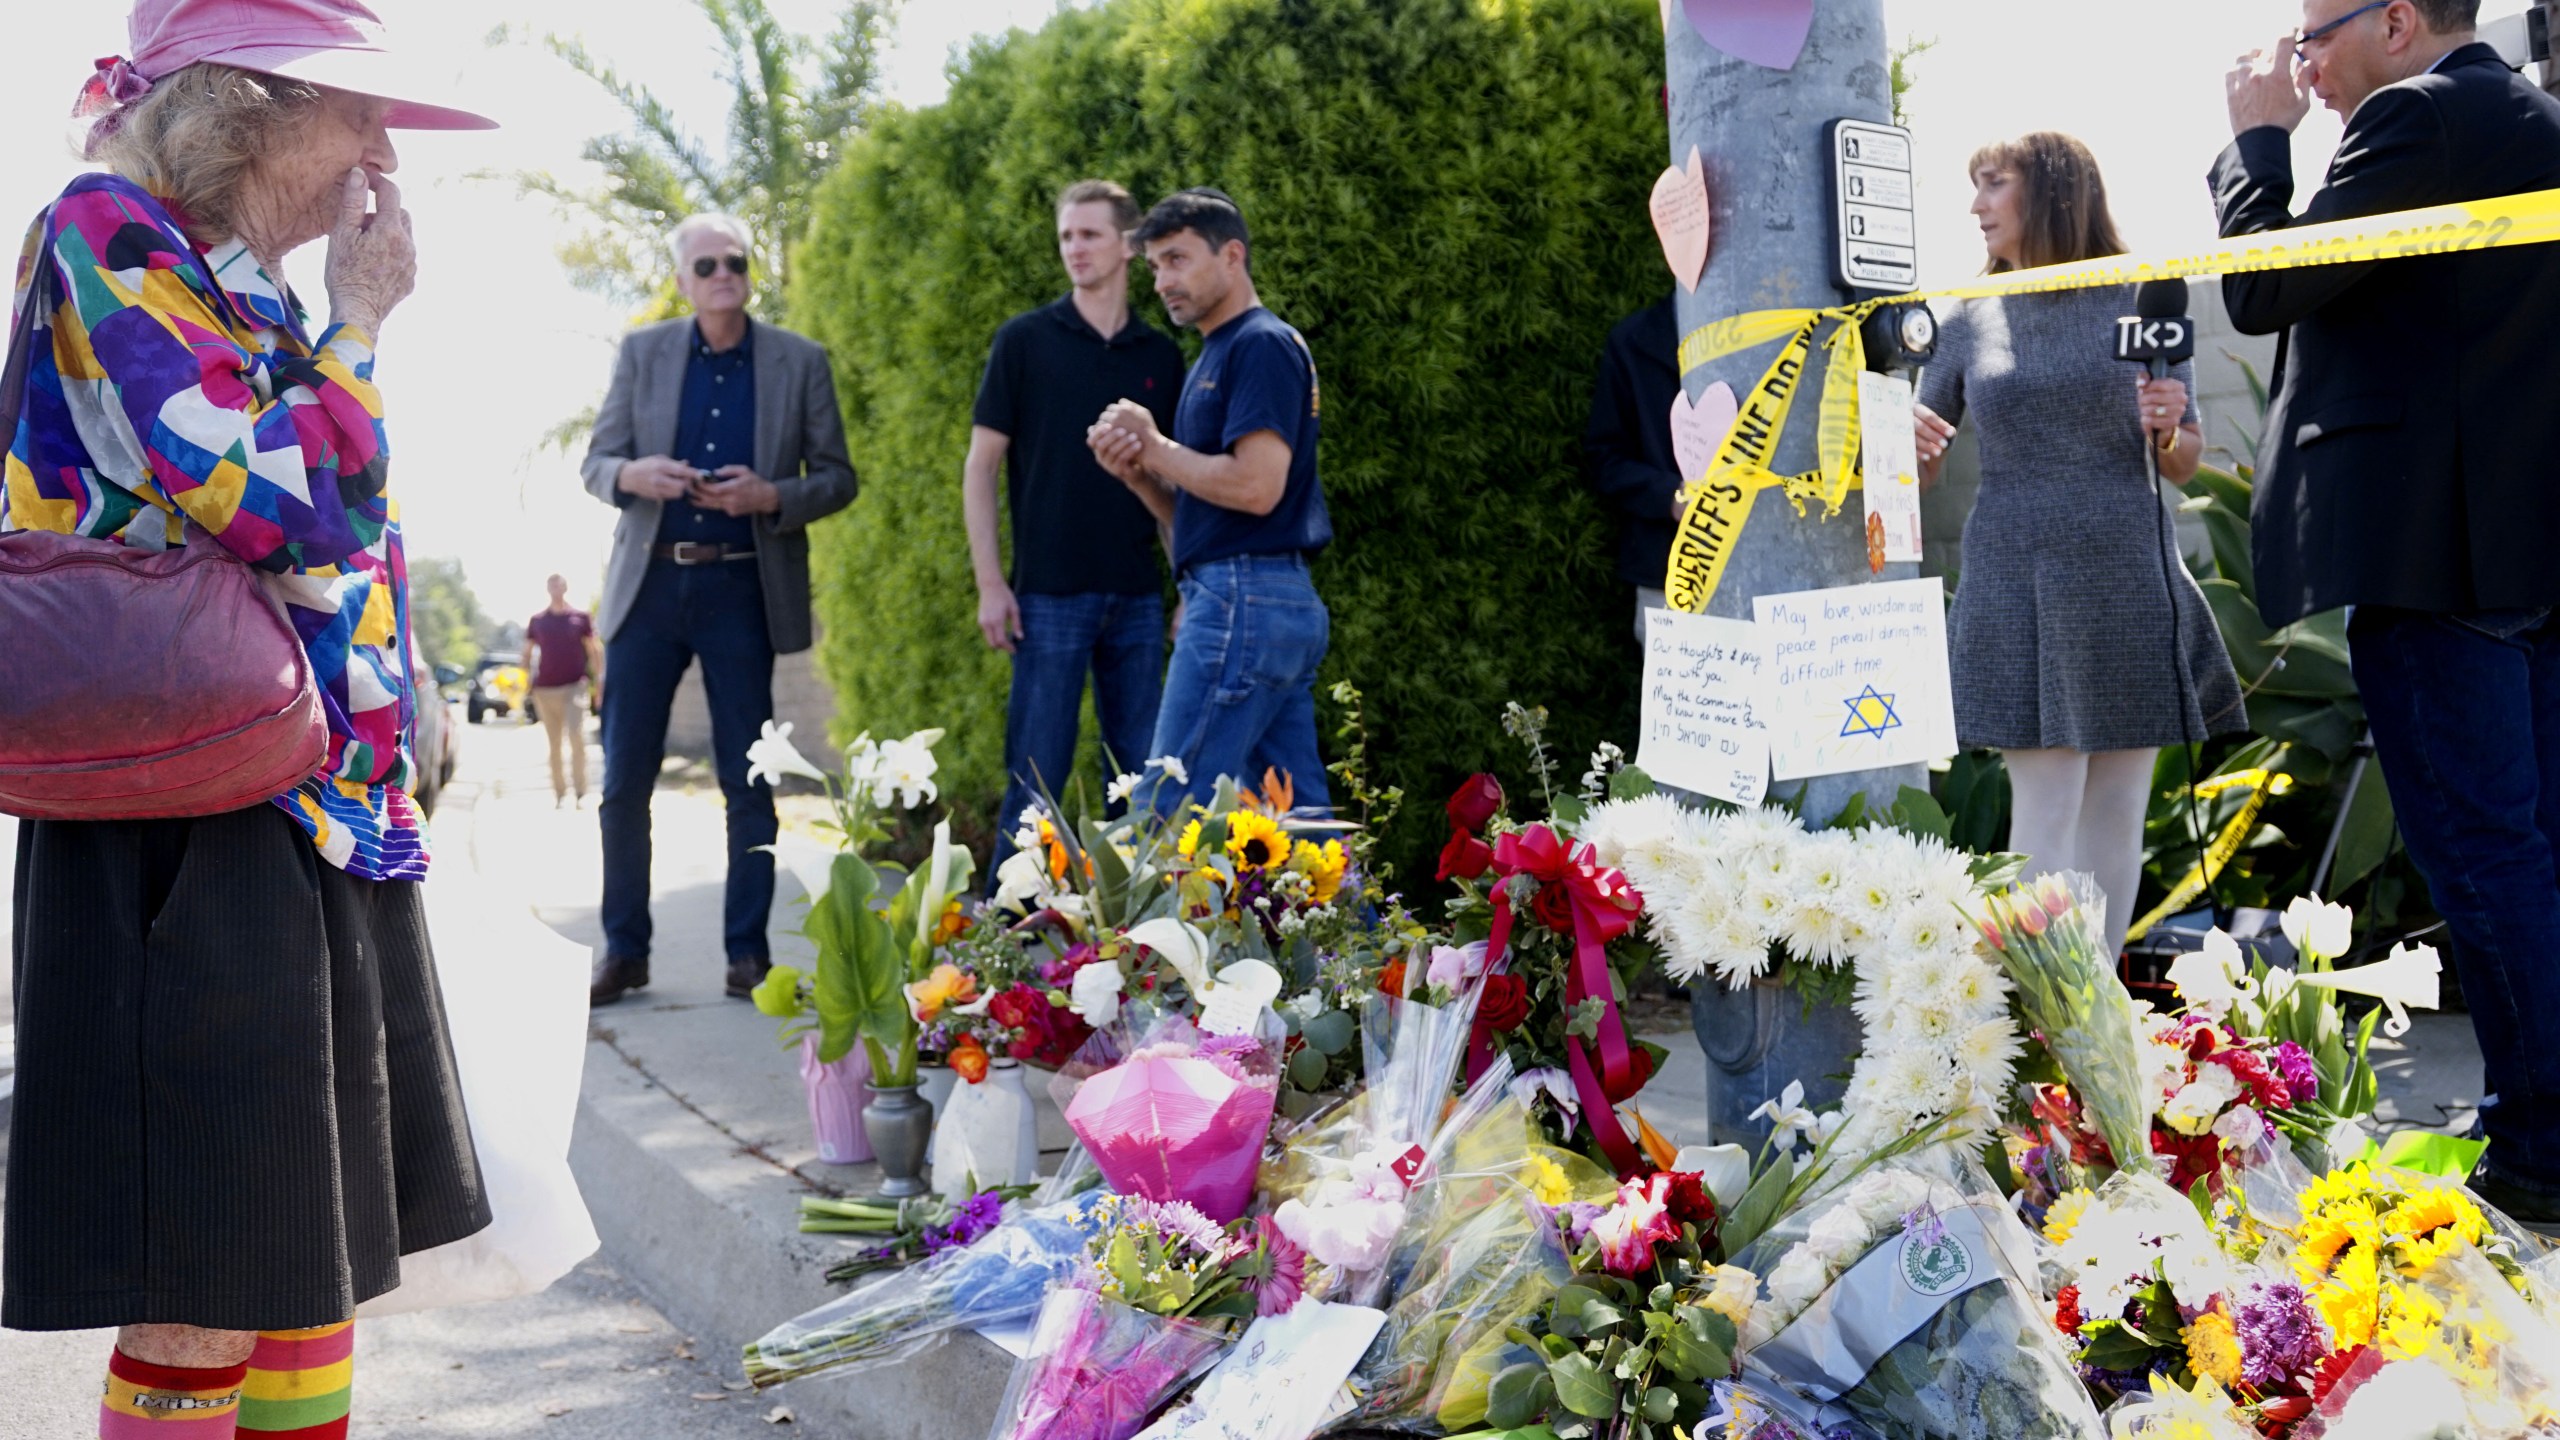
(2062, 634)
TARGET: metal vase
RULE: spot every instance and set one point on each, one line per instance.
(837, 1095)
(899, 1123)
(1757, 1040)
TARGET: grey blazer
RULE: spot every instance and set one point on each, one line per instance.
(799, 447)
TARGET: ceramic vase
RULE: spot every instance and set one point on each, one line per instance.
(980, 1136)
(934, 1083)
(899, 1123)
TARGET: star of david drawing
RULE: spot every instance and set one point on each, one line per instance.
(1870, 713)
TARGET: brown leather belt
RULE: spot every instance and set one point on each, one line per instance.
(701, 552)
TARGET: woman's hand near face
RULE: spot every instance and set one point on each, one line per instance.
(373, 260)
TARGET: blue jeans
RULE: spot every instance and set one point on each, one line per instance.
(1119, 640)
(1239, 698)
(714, 612)
(2465, 711)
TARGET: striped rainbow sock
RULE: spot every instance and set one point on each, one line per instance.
(300, 1383)
(168, 1402)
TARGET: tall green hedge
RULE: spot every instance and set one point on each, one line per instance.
(1447, 197)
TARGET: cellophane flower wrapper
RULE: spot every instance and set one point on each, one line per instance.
(2167, 1412)
(1001, 1277)
(2476, 1356)
(1931, 1327)
(2068, 992)
(1098, 1369)
(1183, 1117)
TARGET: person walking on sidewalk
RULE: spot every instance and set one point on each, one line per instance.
(1085, 595)
(721, 443)
(2406, 472)
(561, 653)
(1236, 482)
(236, 1105)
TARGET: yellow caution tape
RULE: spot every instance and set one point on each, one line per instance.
(1720, 501)
(2261, 785)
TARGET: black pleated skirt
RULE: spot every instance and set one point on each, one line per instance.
(236, 1102)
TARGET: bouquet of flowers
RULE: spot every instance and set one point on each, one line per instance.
(1907, 1305)
(999, 1277)
(1163, 1289)
(2047, 938)
(916, 1229)
(1184, 1117)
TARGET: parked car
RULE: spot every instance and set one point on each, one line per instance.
(498, 687)
(438, 744)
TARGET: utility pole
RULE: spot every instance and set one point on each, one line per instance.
(1762, 135)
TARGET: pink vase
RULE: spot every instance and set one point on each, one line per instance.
(837, 1094)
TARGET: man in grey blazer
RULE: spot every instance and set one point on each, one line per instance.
(720, 442)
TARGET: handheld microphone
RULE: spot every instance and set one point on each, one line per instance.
(2158, 334)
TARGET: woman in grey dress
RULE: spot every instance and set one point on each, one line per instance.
(2080, 644)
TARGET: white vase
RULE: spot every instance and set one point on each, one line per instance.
(1026, 1130)
(933, 1083)
(978, 1138)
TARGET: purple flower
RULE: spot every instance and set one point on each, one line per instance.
(1574, 1221)
(1241, 1047)
(1925, 1225)
(2279, 1340)
(2301, 1077)
(974, 1218)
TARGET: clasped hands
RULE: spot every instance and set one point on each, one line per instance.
(731, 489)
(1120, 441)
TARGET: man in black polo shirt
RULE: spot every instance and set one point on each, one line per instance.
(1085, 593)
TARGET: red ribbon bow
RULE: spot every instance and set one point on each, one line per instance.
(1603, 905)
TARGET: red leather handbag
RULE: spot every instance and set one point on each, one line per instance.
(139, 684)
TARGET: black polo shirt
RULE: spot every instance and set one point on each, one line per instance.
(1076, 530)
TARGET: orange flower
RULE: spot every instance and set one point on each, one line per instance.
(947, 988)
(969, 1059)
(1279, 794)
(953, 925)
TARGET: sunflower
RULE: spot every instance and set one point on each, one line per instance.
(2213, 1347)
(2064, 1216)
(1323, 865)
(2412, 1326)
(2434, 1220)
(2323, 1236)
(1256, 841)
(1189, 845)
(2352, 1300)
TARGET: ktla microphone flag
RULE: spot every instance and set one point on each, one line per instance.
(1720, 501)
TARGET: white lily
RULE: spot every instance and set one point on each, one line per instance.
(1096, 993)
(2215, 978)
(1173, 769)
(2318, 930)
(1234, 1002)
(1182, 946)
(946, 872)
(1788, 1113)
(1726, 1169)
(1020, 878)
(902, 771)
(809, 862)
(772, 756)
(1122, 787)
(2410, 975)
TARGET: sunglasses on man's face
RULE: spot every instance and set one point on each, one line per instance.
(703, 267)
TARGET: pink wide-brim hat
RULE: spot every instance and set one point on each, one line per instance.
(337, 43)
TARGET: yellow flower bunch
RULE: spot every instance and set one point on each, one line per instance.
(1323, 865)
(2363, 1234)
(2213, 1347)
(2064, 1217)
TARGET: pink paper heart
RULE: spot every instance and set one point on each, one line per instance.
(1697, 431)
(1680, 219)
(1764, 32)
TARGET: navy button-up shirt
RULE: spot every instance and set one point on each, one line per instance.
(715, 426)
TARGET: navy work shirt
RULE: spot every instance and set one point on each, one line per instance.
(1254, 373)
(1050, 375)
(715, 426)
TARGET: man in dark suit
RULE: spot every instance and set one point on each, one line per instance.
(2407, 471)
(1627, 458)
(720, 442)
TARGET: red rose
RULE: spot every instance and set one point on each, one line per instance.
(1505, 1003)
(1553, 905)
(1465, 857)
(1018, 1008)
(1476, 803)
(1639, 1071)
(2066, 1311)
(1690, 1202)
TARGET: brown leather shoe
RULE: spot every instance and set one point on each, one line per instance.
(745, 975)
(615, 976)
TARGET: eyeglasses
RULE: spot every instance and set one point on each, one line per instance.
(703, 267)
(2305, 38)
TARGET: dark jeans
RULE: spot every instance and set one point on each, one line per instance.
(1239, 698)
(1119, 640)
(714, 612)
(2465, 712)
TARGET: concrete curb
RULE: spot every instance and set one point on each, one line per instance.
(701, 1226)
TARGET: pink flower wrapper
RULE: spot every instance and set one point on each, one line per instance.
(1176, 1128)
(1097, 1369)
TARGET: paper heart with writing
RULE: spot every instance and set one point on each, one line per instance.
(1698, 430)
(1764, 32)
(1680, 219)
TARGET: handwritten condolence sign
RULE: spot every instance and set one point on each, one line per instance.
(1705, 721)
(1857, 677)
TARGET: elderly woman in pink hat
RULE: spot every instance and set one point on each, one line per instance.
(236, 1105)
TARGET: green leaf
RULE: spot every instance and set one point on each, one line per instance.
(1660, 1405)
(2116, 1348)
(1920, 813)
(1695, 1353)
(1519, 1394)
(1599, 1317)
(1759, 1204)
(1581, 1388)
(778, 994)
(1306, 1069)
(2365, 842)
(1630, 783)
